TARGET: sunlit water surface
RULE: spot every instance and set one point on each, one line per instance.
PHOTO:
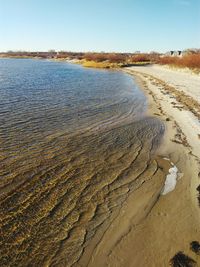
(73, 143)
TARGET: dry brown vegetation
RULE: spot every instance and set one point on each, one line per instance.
(151, 58)
(110, 57)
(119, 59)
(189, 61)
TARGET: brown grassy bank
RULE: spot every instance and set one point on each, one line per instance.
(188, 61)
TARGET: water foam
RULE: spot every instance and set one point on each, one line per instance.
(171, 180)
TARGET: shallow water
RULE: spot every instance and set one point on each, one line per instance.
(73, 143)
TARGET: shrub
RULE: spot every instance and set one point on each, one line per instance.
(140, 58)
(98, 57)
(189, 61)
(116, 58)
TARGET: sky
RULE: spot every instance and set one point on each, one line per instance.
(99, 25)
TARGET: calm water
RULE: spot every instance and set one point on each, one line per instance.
(73, 144)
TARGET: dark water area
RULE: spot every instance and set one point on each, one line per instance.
(73, 142)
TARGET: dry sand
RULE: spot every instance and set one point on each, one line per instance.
(150, 227)
(183, 79)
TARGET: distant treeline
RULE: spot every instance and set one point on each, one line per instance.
(189, 58)
(90, 56)
(29, 54)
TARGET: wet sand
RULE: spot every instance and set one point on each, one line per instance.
(73, 191)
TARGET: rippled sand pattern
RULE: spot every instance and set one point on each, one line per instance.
(59, 184)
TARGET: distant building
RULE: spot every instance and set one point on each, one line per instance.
(174, 53)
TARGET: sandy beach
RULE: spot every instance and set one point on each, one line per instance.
(100, 133)
(151, 228)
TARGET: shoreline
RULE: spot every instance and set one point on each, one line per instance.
(168, 223)
(180, 149)
(135, 234)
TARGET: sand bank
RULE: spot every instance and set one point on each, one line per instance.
(150, 227)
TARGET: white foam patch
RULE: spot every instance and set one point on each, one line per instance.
(171, 179)
(166, 159)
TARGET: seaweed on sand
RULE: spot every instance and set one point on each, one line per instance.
(182, 260)
(195, 247)
(198, 197)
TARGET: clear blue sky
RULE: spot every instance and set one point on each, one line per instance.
(99, 25)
